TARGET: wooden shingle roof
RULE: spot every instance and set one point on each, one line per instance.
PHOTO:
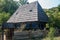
(29, 12)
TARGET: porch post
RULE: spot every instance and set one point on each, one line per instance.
(2, 33)
(9, 34)
(30, 31)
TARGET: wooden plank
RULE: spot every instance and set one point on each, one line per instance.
(22, 26)
(9, 34)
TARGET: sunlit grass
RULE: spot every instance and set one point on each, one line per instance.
(55, 38)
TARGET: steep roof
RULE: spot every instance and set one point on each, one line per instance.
(29, 12)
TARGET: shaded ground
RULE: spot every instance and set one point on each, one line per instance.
(55, 38)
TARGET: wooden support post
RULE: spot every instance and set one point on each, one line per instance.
(30, 31)
(22, 26)
(9, 34)
(2, 33)
(39, 25)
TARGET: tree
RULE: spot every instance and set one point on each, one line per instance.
(10, 6)
(4, 17)
(54, 17)
(22, 2)
(59, 7)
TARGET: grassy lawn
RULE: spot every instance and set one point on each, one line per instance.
(56, 38)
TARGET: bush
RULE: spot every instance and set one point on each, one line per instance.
(51, 33)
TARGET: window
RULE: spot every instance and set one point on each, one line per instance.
(17, 25)
(30, 10)
(33, 25)
(16, 13)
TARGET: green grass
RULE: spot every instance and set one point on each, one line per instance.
(55, 38)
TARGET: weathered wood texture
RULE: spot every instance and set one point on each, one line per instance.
(29, 12)
(9, 34)
(22, 26)
(25, 35)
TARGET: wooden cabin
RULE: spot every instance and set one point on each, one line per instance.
(28, 16)
(31, 13)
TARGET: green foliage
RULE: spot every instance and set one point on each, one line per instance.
(54, 17)
(59, 7)
(4, 17)
(22, 2)
(9, 6)
(51, 33)
(54, 20)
